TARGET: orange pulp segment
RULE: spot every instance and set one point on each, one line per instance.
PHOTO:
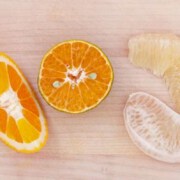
(156, 52)
(160, 53)
(172, 79)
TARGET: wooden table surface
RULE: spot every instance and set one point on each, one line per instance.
(93, 145)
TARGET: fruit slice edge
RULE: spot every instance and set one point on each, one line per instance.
(36, 145)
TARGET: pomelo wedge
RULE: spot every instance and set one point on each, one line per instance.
(153, 127)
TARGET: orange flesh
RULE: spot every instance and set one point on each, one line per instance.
(13, 131)
(3, 120)
(32, 119)
(28, 128)
(23, 92)
(82, 73)
(30, 105)
(14, 78)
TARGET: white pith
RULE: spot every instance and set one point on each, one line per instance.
(10, 103)
(74, 72)
(10, 95)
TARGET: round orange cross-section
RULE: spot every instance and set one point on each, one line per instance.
(75, 76)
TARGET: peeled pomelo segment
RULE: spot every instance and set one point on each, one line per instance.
(159, 53)
(172, 79)
(156, 52)
(153, 127)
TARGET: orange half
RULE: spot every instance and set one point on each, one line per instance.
(75, 76)
(22, 123)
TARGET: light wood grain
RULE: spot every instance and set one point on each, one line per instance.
(92, 145)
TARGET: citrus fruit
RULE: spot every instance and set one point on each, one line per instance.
(172, 79)
(75, 76)
(22, 123)
(160, 53)
(156, 52)
(153, 127)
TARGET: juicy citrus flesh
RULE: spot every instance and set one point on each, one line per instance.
(172, 79)
(75, 76)
(153, 127)
(22, 123)
(156, 52)
(159, 53)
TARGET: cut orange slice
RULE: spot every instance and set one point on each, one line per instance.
(22, 123)
(159, 53)
(153, 127)
(75, 76)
